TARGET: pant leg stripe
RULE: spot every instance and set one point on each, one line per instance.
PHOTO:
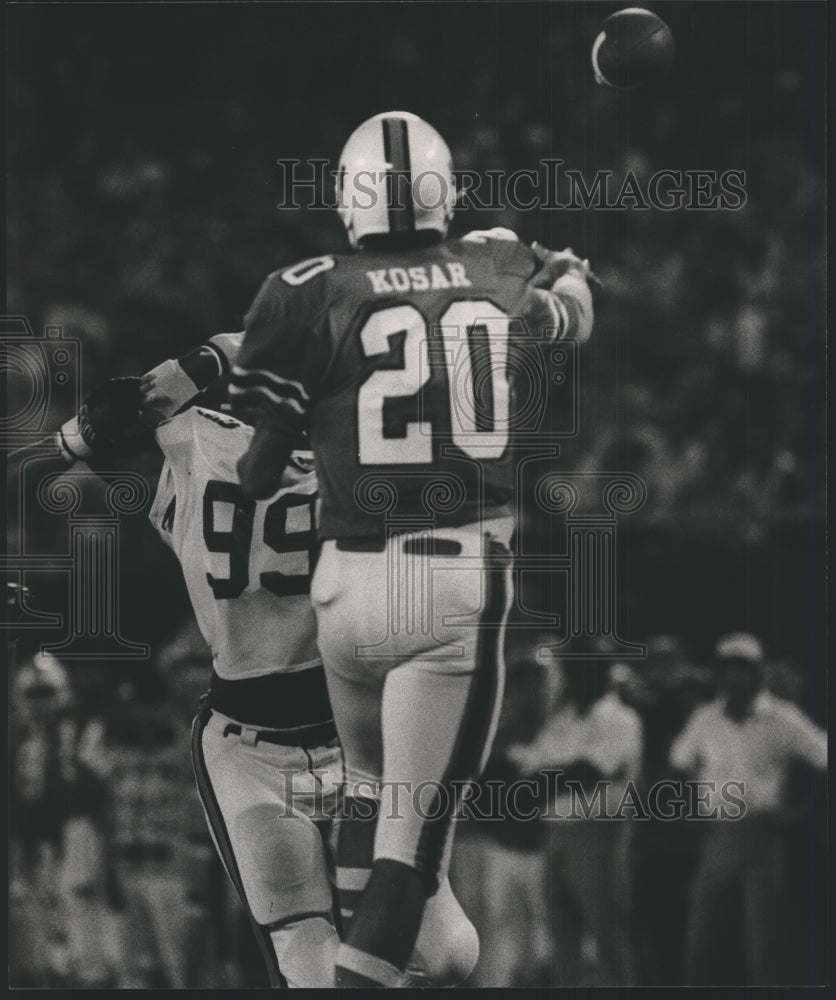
(218, 825)
(477, 719)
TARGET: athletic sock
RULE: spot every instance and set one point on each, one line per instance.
(385, 927)
(358, 968)
(355, 852)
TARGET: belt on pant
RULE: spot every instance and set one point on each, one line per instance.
(305, 737)
(294, 703)
(419, 545)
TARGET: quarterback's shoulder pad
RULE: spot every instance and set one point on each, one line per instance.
(503, 246)
(484, 235)
(292, 294)
(306, 270)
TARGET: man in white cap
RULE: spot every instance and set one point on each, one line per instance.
(742, 744)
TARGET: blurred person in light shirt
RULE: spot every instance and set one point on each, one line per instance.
(594, 741)
(749, 736)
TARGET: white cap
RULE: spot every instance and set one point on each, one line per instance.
(739, 646)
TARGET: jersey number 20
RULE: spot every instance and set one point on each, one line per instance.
(474, 347)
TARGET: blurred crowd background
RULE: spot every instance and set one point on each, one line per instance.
(142, 184)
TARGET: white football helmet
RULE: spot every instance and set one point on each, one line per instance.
(395, 176)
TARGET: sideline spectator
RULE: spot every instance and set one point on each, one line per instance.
(144, 768)
(751, 736)
(664, 689)
(59, 918)
(596, 741)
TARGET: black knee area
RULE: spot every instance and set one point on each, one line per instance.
(355, 836)
(389, 917)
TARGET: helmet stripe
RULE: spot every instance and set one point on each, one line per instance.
(398, 175)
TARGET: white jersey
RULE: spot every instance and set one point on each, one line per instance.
(247, 563)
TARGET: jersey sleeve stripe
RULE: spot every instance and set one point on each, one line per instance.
(557, 313)
(242, 376)
(563, 314)
(202, 365)
(226, 346)
(241, 393)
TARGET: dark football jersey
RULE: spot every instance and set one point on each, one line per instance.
(400, 365)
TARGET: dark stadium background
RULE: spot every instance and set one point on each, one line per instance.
(142, 185)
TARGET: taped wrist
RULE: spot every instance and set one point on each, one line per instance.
(71, 444)
(573, 293)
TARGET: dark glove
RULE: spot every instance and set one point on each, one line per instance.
(108, 423)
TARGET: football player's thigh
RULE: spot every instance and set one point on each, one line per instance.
(278, 850)
(436, 727)
(344, 595)
(363, 603)
(356, 698)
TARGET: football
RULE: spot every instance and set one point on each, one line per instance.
(634, 48)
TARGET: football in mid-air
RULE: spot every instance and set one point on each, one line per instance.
(633, 49)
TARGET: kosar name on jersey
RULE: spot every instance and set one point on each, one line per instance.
(247, 564)
(400, 367)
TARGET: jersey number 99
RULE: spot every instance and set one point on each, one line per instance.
(236, 540)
